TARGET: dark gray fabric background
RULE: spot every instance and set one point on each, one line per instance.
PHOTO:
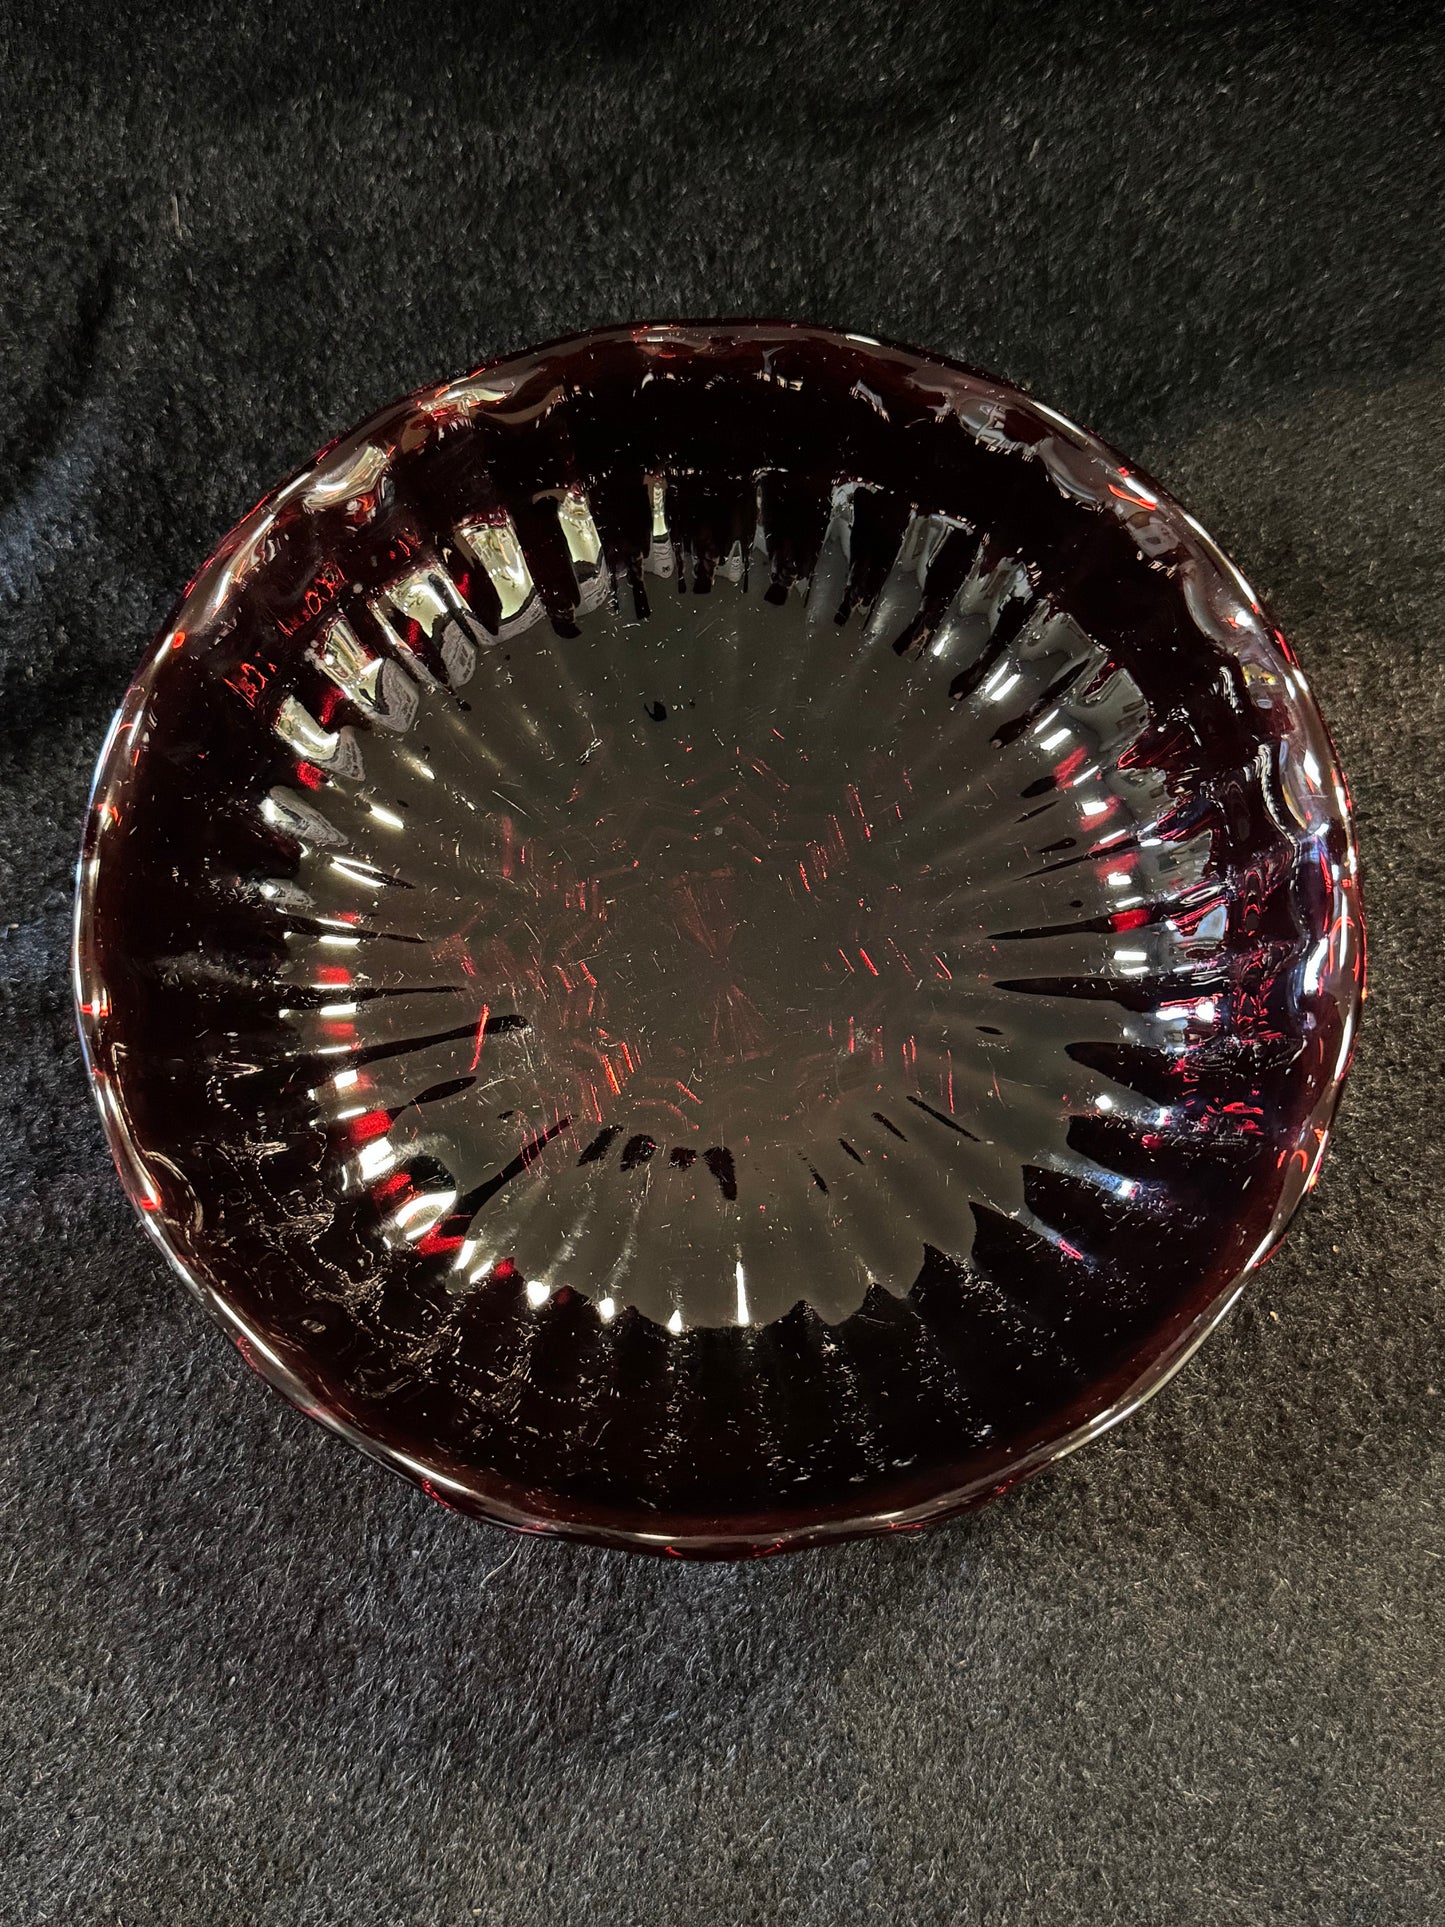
(1191, 1676)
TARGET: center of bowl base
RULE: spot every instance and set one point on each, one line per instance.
(740, 937)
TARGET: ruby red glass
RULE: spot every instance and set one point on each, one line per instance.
(718, 937)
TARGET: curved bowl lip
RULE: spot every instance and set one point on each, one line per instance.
(497, 1501)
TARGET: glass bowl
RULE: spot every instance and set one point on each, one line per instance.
(718, 937)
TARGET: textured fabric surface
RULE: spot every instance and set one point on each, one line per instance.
(1192, 1675)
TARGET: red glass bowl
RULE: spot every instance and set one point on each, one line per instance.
(717, 937)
